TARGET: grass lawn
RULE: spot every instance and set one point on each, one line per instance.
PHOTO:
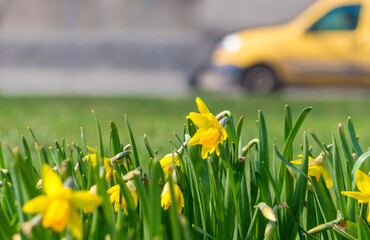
(52, 118)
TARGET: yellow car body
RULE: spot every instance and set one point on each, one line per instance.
(318, 47)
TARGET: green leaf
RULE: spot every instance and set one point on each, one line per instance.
(201, 231)
(239, 130)
(357, 166)
(100, 156)
(7, 230)
(353, 137)
(155, 197)
(346, 229)
(263, 147)
(293, 133)
(133, 145)
(252, 225)
(345, 147)
(291, 165)
(148, 148)
(131, 209)
(363, 230)
(114, 138)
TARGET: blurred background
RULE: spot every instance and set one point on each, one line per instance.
(119, 46)
(60, 59)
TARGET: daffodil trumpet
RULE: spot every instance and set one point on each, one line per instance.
(166, 199)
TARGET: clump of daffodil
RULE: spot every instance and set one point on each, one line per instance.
(107, 162)
(116, 197)
(210, 132)
(60, 204)
(167, 163)
(316, 168)
(166, 200)
(363, 184)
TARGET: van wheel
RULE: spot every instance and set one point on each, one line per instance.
(260, 78)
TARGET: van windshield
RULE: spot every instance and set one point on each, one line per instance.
(341, 18)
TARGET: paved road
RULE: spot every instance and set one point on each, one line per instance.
(92, 82)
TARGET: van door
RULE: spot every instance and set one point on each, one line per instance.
(328, 52)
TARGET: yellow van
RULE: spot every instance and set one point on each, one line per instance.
(328, 44)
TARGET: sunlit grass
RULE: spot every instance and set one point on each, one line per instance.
(54, 118)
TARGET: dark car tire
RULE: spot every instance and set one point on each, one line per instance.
(260, 78)
(194, 78)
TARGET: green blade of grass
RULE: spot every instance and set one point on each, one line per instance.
(132, 144)
(363, 230)
(114, 139)
(353, 137)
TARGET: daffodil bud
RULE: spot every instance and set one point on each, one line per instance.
(267, 211)
(174, 177)
(320, 228)
(346, 228)
(222, 114)
(127, 147)
(131, 174)
(39, 184)
(119, 156)
(93, 189)
(247, 147)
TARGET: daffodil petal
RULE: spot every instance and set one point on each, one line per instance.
(116, 204)
(113, 189)
(202, 107)
(92, 158)
(179, 198)
(57, 214)
(92, 149)
(327, 178)
(51, 181)
(166, 197)
(85, 200)
(206, 150)
(114, 197)
(197, 136)
(363, 197)
(363, 182)
(166, 160)
(217, 150)
(314, 170)
(200, 120)
(223, 133)
(75, 224)
(38, 204)
(134, 197)
(298, 161)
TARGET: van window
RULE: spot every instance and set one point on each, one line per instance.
(341, 18)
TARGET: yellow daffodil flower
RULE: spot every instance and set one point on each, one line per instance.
(60, 205)
(166, 200)
(115, 195)
(316, 168)
(107, 162)
(210, 132)
(363, 184)
(167, 163)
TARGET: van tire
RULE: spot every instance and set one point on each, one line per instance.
(260, 78)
